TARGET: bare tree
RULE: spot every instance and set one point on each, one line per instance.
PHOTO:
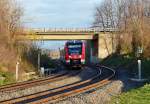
(10, 15)
(108, 16)
(103, 17)
(130, 17)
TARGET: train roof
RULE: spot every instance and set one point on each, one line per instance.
(74, 41)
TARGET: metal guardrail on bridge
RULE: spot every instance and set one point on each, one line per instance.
(69, 30)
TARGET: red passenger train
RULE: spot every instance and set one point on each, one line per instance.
(74, 53)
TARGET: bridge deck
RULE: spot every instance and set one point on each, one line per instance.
(58, 36)
(63, 34)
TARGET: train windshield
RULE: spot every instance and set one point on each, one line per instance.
(75, 48)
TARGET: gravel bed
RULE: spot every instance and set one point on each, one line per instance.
(103, 95)
(100, 96)
(86, 73)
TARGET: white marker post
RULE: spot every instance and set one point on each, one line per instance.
(139, 69)
(42, 71)
(17, 70)
(39, 61)
(139, 53)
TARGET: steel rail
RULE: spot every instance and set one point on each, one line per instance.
(21, 84)
(61, 96)
(31, 81)
(67, 94)
(77, 91)
(20, 99)
(27, 84)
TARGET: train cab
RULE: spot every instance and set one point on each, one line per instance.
(74, 53)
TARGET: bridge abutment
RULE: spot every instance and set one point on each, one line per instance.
(105, 45)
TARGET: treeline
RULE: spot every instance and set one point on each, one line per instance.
(12, 50)
(131, 19)
(10, 26)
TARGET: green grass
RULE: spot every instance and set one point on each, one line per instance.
(135, 96)
(9, 78)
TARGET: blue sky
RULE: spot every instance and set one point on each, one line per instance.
(58, 13)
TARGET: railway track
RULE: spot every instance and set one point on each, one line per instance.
(28, 84)
(51, 96)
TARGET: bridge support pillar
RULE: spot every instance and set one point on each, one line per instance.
(92, 51)
(99, 46)
(105, 44)
(88, 50)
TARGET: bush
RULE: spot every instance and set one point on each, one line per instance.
(8, 78)
(46, 61)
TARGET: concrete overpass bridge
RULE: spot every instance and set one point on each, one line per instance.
(63, 33)
(98, 40)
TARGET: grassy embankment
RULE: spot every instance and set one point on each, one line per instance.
(127, 62)
(134, 96)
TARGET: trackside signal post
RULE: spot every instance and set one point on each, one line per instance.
(139, 55)
(139, 61)
(139, 69)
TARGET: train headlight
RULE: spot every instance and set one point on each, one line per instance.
(67, 61)
(82, 60)
(80, 56)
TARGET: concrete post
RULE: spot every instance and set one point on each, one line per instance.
(139, 79)
(17, 70)
(39, 61)
(139, 69)
(42, 71)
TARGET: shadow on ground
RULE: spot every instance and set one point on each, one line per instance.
(126, 68)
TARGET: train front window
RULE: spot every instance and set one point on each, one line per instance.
(74, 49)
